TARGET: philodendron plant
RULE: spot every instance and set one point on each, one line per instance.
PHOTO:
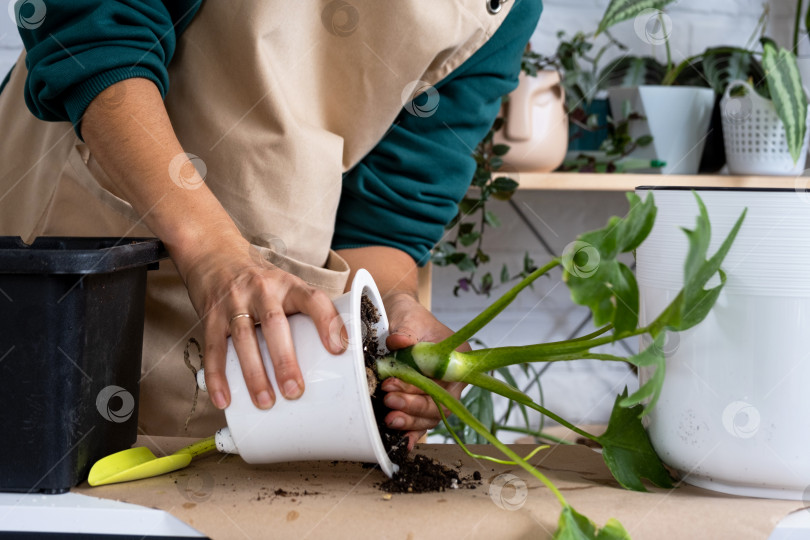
(598, 280)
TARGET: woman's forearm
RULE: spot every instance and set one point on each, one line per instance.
(134, 142)
(393, 270)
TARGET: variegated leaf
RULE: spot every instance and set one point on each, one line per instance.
(621, 10)
(785, 86)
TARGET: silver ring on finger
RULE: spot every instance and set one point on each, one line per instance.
(239, 316)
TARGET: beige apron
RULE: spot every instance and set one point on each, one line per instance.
(278, 100)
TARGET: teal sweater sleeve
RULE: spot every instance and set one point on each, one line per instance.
(77, 48)
(407, 188)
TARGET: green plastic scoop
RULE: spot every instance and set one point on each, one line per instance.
(138, 463)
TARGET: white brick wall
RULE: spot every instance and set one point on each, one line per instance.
(10, 43)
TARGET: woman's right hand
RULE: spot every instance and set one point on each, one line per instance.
(231, 280)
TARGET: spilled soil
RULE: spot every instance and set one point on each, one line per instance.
(417, 473)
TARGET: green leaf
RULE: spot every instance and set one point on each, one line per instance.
(632, 71)
(652, 356)
(644, 140)
(504, 274)
(492, 219)
(495, 163)
(479, 402)
(627, 450)
(621, 10)
(503, 183)
(785, 86)
(694, 303)
(574, 526)
(469, 238)
(599, 281)
(500, 149)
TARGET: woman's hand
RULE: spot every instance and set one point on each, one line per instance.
(412, 409)
(136, 146)
(226, 283)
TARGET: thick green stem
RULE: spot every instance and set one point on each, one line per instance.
(469, 330)
(482, 380)
(390, 368)
(666, 41)
(489, 359)
(796, 23)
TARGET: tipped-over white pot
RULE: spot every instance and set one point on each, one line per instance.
(333, 419)
(733, 412)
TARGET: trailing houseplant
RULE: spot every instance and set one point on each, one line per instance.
(599, 281)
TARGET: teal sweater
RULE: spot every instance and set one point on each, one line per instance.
(401, 194)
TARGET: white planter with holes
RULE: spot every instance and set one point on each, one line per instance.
(678, 119)
(733, 413)
(333, 419)
(754, 136)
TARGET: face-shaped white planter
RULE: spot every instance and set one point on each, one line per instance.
(733, 415)
(333, 419)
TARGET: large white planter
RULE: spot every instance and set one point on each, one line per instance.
(676, 116)
(733, 413)
(333, 419)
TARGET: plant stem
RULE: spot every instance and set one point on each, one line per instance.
(482, 380)
(489, 359)
(666, 42)
(796, 23)
(454, 341)
(390, 368)
(467, 451)
(535, 434)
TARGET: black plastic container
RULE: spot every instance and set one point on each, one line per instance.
(71, 331)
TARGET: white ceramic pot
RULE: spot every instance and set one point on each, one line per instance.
(733, 413)
(333, 419)
(678, 119)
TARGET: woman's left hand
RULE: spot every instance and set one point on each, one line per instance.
(409, 323)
